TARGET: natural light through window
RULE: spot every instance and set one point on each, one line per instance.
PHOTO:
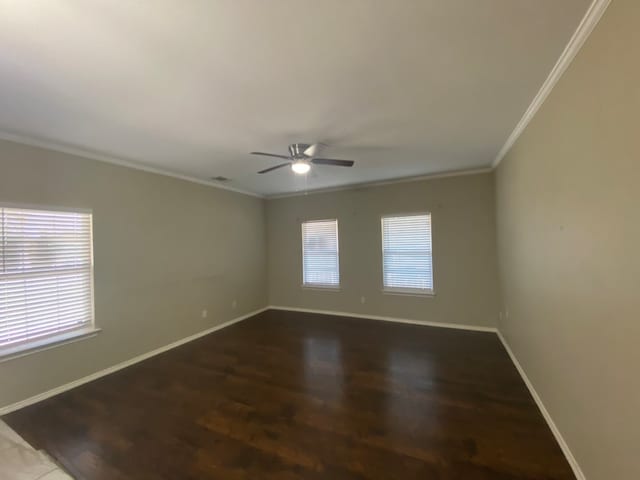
(406, 251)
(320, 259)
(46, 277)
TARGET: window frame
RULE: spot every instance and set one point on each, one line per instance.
(407, 291)
(89, 330)
(321, 286)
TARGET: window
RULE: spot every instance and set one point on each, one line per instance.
(320, 265)
(406, 254)
(46, 277)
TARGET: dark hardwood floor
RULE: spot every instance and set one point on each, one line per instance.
(296, 396)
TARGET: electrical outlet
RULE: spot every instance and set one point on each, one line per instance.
(362, 299)
(234, 304)
(205, 314)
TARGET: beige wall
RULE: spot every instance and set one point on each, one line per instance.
(165, 249)
(568, 200)
(465, 271)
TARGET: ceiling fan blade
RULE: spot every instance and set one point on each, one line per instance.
(332, 161)
(270, 155)
(274, 168)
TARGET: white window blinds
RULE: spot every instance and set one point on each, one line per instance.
(406, 252)
(46, 275)
(320, 264)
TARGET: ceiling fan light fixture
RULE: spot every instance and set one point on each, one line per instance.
(300, 167)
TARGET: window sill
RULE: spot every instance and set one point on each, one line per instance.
(408, 292)
(321, 288)
(47, 343)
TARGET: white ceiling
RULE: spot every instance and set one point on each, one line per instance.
(403, 87)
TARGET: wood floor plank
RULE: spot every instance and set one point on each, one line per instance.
(298, 396)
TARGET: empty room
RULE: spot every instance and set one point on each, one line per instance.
(302, 240)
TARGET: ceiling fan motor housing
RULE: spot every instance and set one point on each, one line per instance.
(296, 150)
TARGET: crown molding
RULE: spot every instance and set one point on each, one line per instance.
(351, 186)
(589, 21)
(78, 152)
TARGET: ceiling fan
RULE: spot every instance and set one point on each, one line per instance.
(301, 157)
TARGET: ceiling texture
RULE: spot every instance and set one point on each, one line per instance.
(404, 87)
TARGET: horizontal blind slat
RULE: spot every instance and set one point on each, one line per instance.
(8, 295)
(31, 306)
(83, 315)
(26, 336)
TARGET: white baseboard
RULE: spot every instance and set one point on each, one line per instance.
(76, 383)
(389, 319)
(554, 429)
